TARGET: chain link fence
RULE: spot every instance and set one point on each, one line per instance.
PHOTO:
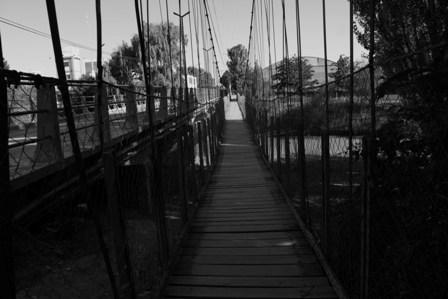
(107, 223)
(366, 176)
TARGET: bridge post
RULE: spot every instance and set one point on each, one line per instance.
(325, 187)
(279, 160)
(180, 102)
(7, 280)
(302, 174)
(103, 108)
(131, 109)
(174, 101)
(272, 140)
(163, 104)
(287, 160)
(127, 286)
(201, 154)
(181, 171)
(192, 157)
(154, 188)
(49, 146)
(210, 142)
(266, 135)
(205, 144)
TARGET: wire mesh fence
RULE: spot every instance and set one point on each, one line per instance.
(104, 224)
(372, 204)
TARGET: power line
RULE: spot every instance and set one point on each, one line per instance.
(46, 35)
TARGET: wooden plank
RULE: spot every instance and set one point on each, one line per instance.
(245, 235)
(237, 292)
(257, 217)
(247, 251)
(246, 215)
(249, 270)
(245, 228)
(243, 210)
(249, 259)
(220, 281)
(289, 222)
(254, 206)
(246, 243)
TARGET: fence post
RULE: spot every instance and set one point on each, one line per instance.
(266, 135)
(210, 142)
(207, 156)
(287, 160)
(201, 154)
(163, 104)
(131, 108)
(279, 160)
(127, 285)
(272, 140)
(157, 200)
(101, 106)
(192, 158)
(7, 282)
(325, 187)
(181, 171)
(174, 101)
(48, 126)
(180, 101)
(302, 174)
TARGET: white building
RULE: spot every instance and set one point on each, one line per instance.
(75, 66)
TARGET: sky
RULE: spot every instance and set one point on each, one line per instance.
(29, 52)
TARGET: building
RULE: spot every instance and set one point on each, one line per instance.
(317, 64)
(90, 67)
(75, 66)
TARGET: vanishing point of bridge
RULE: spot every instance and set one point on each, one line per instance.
(244, 240)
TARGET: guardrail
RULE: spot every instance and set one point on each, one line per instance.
(108, 222)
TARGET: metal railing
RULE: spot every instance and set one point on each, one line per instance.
(364, 188)
(107, 223)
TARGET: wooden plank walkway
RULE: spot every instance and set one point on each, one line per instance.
(244, 241)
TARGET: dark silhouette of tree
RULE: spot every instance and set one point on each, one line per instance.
(237, 66)
(342, 69)
(286, 77)
(5, 64)
(226, 79)
(204, 79)
(125, 62)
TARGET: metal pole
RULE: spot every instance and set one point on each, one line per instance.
(63, 87)
(371, 158)
(325, 154)
(99, 77)
(350, 109)
(7, 282)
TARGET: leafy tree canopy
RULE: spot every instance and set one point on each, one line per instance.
(237, 65)
(5, 64)
(342, 68)
(204, 78)
(287, 75)
(404, 27)
(225, 79)
(125, 62)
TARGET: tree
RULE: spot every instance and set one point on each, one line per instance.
(125, 62)
(237, 66)
(342, 69)
(412, 144)
(404, 27)
(287, 75)
(225, 79)
(204, 78)
(5, 64)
